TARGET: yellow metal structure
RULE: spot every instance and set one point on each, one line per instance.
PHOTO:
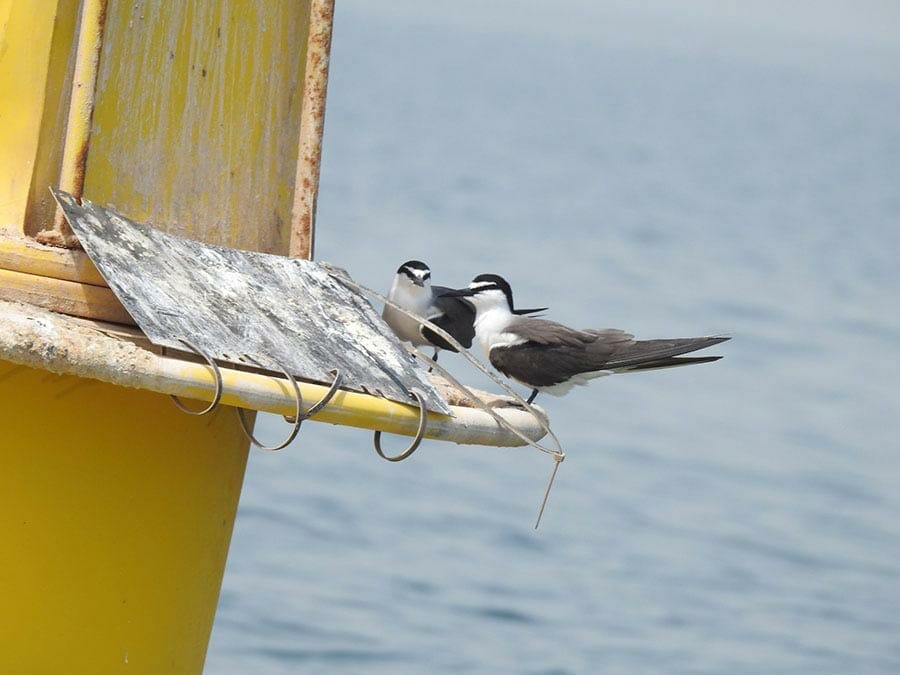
(116, 509)
(35, 42)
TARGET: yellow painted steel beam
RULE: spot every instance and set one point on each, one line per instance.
(35, 38)
(21, 254)
(39, 339)
(95, 302)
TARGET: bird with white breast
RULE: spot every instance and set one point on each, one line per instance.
(412, 290)
(550, 357)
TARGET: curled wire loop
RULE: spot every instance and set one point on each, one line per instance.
(326, 398)
(295, 428)
(298, 416)
(216, 373)
(420, 432)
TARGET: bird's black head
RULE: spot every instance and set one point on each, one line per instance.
(485, 283)
(417, 271)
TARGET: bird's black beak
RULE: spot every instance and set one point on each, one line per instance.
(419, 282)
(523, 312)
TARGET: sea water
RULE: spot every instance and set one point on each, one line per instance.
(736, 517)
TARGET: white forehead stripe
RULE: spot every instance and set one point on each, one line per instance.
(415, 272)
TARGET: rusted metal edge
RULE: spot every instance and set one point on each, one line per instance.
(37, 338)
(78, 124)
(312, 127)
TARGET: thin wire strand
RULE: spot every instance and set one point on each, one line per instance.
(558, 455)
(556, 462)
(474, 361)
(493, 413)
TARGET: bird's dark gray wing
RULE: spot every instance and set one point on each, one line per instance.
(555, 353)
(457, 317)
(539, 365)
(545, 332)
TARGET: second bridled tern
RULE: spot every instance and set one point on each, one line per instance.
(412, 290)
(550, 357)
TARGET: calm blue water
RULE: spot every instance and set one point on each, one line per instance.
(741, 517)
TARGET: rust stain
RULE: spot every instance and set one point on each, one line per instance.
(61, 235)
(101, 18)
(80, 162)
(80, 165)
(312, 122)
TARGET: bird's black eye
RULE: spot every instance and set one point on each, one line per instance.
(427, 276)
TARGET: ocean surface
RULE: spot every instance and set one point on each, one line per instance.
(670, 175)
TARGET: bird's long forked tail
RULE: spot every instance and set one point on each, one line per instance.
(672, 362)
(656, 354)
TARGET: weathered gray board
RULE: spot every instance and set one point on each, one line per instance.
(229, 302)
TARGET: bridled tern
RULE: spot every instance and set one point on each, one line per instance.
(412, 290)
(550, 357)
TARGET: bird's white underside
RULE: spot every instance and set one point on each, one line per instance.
(416, 299)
